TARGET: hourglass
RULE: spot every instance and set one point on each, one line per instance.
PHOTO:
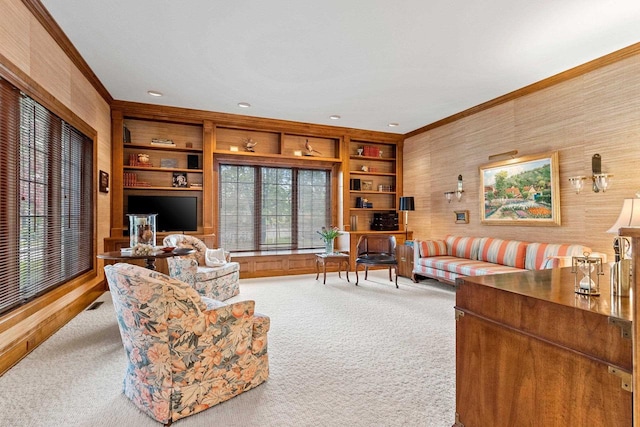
(588, 271)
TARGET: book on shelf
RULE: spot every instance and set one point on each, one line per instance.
(370, 151)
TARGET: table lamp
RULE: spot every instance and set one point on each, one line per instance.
(406, 204)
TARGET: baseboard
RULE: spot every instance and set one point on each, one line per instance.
(53, 311)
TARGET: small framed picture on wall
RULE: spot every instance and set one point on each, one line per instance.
(104, 182)
(462, 217)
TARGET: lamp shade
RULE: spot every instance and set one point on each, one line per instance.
(407, 204)
(629, 216)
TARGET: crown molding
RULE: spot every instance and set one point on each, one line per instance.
(580, 70)
(43, 16)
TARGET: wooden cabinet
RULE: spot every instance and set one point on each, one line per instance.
(529, 351)
(404, 255)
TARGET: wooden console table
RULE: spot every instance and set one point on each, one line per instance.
(530, 351)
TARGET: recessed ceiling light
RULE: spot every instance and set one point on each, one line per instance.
(154, 93)
(393, 124)
(335, 117)
(244, 105)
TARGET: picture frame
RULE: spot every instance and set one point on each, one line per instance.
(366, 185)
(180, 179)
(104, 182)
(462, 217)
(522, 191)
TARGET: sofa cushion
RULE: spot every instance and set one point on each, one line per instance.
(432, 248)
(463, 247)
(539, 254)
(466, 267)
(504, 252)
(435, 273)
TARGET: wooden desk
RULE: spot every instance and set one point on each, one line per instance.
(529, 351)
(327, 258)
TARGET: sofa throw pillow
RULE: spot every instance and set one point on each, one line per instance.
(215, 257)
(432, 248)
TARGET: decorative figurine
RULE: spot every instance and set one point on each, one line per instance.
(249, 145)
(310, 149)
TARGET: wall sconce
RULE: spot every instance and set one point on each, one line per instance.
(449, 194)
(601, 181)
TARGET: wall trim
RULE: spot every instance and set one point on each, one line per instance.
(29, 326)
(580, 70)
(43, 16)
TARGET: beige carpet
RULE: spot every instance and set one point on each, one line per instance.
(340, 355)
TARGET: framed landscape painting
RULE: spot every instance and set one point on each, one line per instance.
(522, 191)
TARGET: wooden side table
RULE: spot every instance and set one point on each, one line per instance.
(404, 255)
(324, 259)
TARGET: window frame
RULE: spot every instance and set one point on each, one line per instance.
(332, 168)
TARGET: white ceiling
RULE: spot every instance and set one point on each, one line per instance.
(370, 61)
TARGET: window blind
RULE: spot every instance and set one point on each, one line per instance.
(47, 202)
(269, 208)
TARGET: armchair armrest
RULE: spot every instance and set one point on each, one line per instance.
(261, 325)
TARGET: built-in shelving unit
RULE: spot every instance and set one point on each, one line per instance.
(374, 181)
(215, 138)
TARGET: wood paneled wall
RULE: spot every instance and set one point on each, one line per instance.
(598, 112)
(32, 56)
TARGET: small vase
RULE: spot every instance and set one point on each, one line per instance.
(328, 248)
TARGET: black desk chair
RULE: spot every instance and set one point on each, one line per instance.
(376, 249)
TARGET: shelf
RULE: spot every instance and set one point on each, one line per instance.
(379, 159)
(163, 148)
(372, 209)
(141, 187)
(372, 192)
(157, 169)
(372, 173)
(276, 156)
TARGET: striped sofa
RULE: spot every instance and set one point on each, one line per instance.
(456, 256)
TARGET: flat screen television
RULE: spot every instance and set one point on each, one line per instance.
(175, 213)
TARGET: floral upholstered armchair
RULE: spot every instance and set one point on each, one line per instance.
(221, 281)
(185, 353)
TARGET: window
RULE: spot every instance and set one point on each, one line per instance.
(46, 199)
(266, 208)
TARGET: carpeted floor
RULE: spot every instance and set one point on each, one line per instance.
(340, 355)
